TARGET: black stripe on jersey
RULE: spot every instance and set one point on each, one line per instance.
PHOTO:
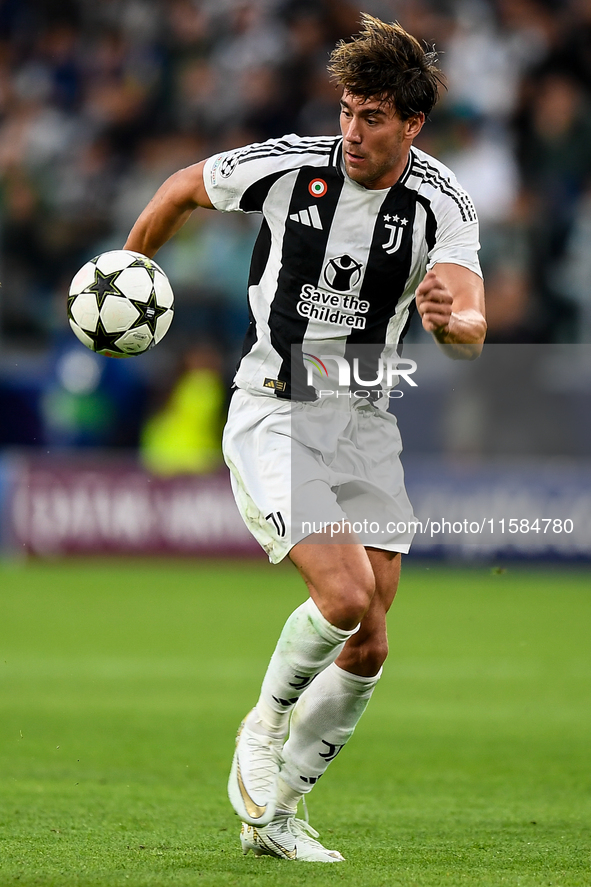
(285, 144)
(430, 238)
(323, 142)
(407, 170)
(386, 274)
(253, 198)
(424, 169)
(250, 338)
(430, 222)
(411, 311)
(260, 255)
(433, 176)
(258, 263)
(384, 283)
(318, 141)
(302, 260)
(464, 203)
(280, 148)
(313, 141)
(336, 155)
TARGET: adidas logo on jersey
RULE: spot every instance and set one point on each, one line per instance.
(309, 217)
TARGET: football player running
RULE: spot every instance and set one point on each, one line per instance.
(375, 227)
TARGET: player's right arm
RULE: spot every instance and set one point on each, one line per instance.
(450, 301)
(168, 210)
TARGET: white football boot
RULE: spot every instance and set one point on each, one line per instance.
(286, 838)
(252, 787)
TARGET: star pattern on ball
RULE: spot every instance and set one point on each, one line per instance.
(104, 285)
(104, 341)
(117, 312)
(71, 300)
(149, 311)
(144, 263)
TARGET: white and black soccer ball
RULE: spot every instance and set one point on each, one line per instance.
(120, 303)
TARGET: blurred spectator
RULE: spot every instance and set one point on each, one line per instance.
(26, 263)
(488, 52)
(319, 114)
(91, 401)
(571, 51)
(157, 156)
(554, 151)
(184, 436)
(61, 55)
(483, 161)
(82, 195)
(196, 104)
(207, 263)
(573, 276)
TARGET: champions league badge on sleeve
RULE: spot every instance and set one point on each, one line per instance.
(229, 164)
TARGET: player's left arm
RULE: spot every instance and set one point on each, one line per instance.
(450, 301)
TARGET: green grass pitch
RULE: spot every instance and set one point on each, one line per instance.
(123, 684)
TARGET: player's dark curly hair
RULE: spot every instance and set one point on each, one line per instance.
(385, 62)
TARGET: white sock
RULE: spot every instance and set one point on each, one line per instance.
(322, 721)
(287, 797)
(306, 646)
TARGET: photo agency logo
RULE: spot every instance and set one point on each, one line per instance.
(357, 377)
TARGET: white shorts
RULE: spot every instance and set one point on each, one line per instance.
(297, 469)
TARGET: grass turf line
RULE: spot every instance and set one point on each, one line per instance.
(123, 684)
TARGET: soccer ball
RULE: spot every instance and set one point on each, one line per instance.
(120, 303)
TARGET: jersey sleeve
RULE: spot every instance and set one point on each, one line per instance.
(239, 180)
(456, 233)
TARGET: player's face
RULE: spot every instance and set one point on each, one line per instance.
(376, 141)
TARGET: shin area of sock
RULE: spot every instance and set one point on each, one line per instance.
(307, 645)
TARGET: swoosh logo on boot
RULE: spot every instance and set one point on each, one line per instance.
(291, 854)
(253, 810)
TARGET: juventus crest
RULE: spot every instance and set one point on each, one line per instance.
(396, 226)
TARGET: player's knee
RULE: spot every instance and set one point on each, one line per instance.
(367, 658)
(376, 655)
(351, 601)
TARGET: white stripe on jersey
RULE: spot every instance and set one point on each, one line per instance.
(263, 354)
(351, 234)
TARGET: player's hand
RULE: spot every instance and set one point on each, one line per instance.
(434, 303)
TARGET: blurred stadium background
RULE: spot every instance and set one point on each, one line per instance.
(100, 102)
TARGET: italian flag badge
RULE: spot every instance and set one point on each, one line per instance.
(317, 187)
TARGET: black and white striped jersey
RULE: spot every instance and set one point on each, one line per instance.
(334, 262)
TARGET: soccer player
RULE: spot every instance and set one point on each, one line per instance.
(357, 231)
